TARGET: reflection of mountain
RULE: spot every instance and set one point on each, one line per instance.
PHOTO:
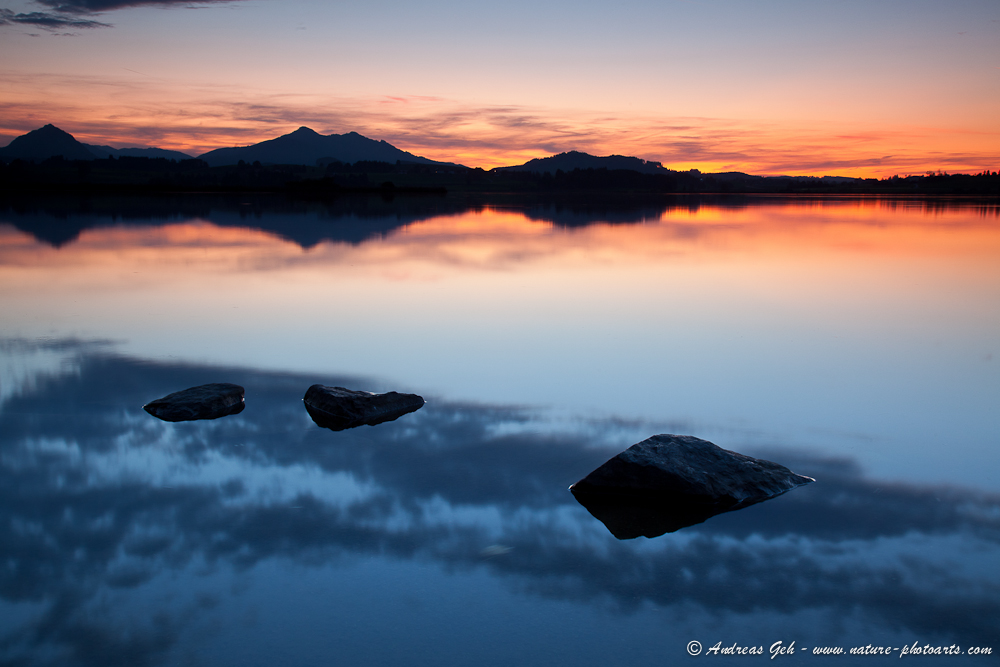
(58, 220)
(97, 497)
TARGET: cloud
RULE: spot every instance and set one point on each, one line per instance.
(93, 6)
(69, 15)
(171, 113)
(48, 20)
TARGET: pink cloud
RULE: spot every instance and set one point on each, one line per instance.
(131, 111)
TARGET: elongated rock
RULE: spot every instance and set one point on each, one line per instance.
(207, 401)
(667, 482)
(337, 408)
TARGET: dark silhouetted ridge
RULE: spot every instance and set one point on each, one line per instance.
(49, 142)
(44, 143)
(307, 147)
(577, 160)
(107, 151)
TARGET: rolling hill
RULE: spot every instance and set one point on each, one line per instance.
(577, 160)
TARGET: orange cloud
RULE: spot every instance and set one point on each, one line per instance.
(134, 109)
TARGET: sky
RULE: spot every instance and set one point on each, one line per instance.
(872, 88)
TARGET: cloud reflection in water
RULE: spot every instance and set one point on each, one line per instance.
(98, 501)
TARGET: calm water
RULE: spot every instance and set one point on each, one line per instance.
(855, 341)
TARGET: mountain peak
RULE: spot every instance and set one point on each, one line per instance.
(305, 146)
(50, 130)
(45, 142)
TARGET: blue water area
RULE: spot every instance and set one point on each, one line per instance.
(449, 536)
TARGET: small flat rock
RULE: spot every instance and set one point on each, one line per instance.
(337, 408)
(207, 401)
(667, 482)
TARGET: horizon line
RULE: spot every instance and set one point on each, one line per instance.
(705, 167)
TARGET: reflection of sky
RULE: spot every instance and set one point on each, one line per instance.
(443, 536)
(865, 329)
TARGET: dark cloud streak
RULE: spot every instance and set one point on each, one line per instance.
(47, 20)
(70, 15)
(94, 6)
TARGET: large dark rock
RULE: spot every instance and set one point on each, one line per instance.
(207, 401)
(337, 408)
(667, 482)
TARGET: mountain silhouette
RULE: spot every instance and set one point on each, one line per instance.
(50, 141)
(107, 151)
(308, 147)
(577, 160)
(46, 142)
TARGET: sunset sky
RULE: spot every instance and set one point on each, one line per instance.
(871, 88)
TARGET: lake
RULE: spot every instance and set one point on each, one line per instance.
(854, 340)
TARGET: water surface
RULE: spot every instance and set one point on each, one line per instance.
(851, 340)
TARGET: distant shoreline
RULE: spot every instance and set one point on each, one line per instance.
(160, 175)
(305, 163)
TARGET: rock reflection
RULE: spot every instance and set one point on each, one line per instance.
(629, 517)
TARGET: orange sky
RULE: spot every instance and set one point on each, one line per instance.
(719, 85)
